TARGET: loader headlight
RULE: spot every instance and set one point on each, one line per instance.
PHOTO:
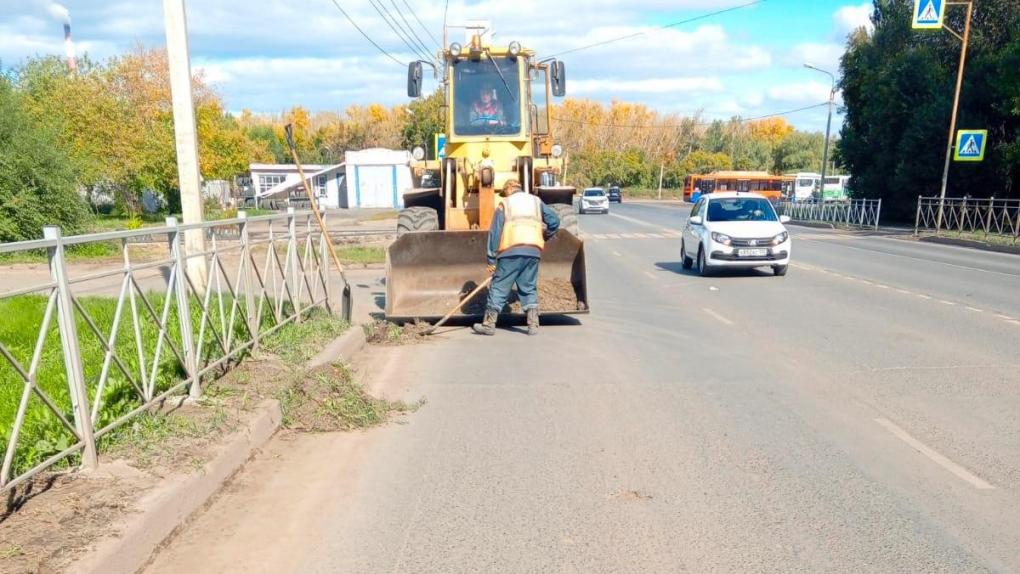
(515, 48)
(455, 49)
(418, 153)
(777, 240)
(557, 150)
(721, 238)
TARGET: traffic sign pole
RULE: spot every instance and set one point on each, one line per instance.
(956, 105)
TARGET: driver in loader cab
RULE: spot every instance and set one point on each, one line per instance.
(487, 111)
(516, 239)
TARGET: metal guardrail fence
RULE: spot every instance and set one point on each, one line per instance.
(848, 212)
(147, 344)
(969, 215)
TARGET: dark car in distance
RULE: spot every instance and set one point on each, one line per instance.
(613, 193)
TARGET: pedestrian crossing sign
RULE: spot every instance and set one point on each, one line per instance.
(928, 14)
(970, 145)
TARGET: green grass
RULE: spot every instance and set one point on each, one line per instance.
(152, 437)
(42, 434)
(82, 252)
(651, 193)
(299, 342)
(382, 215)
(357, 254)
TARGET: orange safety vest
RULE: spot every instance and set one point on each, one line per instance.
(522, 222)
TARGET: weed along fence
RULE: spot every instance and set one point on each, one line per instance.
(843, 212)
(969, 217)
(82, 355)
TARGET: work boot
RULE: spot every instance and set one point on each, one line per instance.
(532, 321)
(488, 325)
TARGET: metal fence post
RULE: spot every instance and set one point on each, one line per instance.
(248, 278)
(295, 262)
(184, 309)
(917, 219)
(988, 218)
(878, 213)
(72, 351)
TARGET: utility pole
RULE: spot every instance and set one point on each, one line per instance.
(188, 174)
(828, 128)
(956, 102)
(662, 165)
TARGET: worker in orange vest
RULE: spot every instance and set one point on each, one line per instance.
(520, 227)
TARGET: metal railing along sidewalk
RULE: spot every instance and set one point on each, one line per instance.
(846, 212)
(969, 215)
(144, 344)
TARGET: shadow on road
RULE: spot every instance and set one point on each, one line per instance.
(677, 267)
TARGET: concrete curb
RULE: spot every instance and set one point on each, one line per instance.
(812, 224)
(168, 507)
(345, 347)
(970, 243)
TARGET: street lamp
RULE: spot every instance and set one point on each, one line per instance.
(828, 126)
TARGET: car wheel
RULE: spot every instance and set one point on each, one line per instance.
(779, 270)
(685, 261)
(703, 269)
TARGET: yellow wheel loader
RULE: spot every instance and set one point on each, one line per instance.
(497, 129)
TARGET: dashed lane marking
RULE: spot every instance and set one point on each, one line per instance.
(717, 316)
(651, 275)
(935, 456)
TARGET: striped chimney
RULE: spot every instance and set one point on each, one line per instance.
(72, 65)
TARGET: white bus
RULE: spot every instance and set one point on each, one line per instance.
(836, 187)
(805, 184)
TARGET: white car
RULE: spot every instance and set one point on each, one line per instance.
(593, 199)
(735, 230)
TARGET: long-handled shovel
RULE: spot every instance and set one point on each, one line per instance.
(463, 302)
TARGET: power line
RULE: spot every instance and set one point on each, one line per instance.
(371, 41)
(688, 124)
(672, 25)
(380, 7)
(408, 27)
(423, 26)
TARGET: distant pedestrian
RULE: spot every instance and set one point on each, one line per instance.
(516, 240)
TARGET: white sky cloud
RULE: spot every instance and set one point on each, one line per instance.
(267, 55)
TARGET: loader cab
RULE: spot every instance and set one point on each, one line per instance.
(487, 96)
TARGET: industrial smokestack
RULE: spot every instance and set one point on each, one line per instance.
(72, 66)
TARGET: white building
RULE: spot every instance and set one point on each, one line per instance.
(368, 178)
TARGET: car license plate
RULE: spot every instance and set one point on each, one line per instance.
(752, 252)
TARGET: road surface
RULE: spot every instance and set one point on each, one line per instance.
(857, 415)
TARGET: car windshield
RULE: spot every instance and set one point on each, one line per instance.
(594, 193)
(741, 209)
(485, 105)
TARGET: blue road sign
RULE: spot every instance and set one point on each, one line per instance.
(970, 145)
(440, 146)
(928, 14)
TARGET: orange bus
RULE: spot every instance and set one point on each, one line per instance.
(773, 187)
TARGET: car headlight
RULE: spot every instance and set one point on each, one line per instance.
(782, 237)
(720, 238)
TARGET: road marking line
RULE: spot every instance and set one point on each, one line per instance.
(923, 296)
(880, 252)
(1004, 317)
(880, 286)
(975, 309)
(637, 221)
(597, 236)
(937, 458)
(905, 291)
(717, 316)
(613, 235)
(650, 274)
(944, 302)
(617, 253)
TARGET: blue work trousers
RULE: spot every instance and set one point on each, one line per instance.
(519, 269)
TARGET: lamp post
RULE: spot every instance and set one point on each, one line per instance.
(828, 127)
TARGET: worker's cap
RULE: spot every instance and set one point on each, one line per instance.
(511, 186)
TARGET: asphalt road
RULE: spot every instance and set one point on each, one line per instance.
(857, 415)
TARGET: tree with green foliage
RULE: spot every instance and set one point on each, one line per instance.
(37, 182)
(898, 86)
(426, 117)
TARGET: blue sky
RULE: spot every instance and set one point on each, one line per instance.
(267, 55)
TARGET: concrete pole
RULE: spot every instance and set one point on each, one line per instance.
(956, 107)
(186, 138)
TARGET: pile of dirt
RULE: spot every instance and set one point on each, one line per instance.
(382, 332)
(329, 399)
(554, 296)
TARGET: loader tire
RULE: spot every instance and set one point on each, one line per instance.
(415, 219)
(568, 218)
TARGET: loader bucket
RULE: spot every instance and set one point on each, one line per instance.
(429, 272)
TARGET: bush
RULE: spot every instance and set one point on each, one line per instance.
(37, 183)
